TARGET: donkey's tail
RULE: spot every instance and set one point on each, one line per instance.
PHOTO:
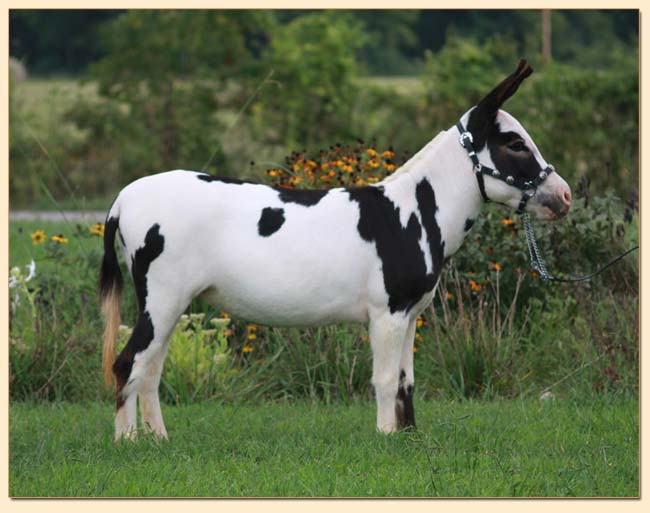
(110, 291)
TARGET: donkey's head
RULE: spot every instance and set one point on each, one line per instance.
(514, 173)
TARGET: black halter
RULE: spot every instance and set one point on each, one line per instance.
(529, 188)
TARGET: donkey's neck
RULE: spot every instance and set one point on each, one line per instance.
(444, 163)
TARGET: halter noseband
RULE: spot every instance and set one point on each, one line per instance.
(529, 188)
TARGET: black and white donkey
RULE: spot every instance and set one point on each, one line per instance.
(308, 257)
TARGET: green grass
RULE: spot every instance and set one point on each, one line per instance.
(563, 447)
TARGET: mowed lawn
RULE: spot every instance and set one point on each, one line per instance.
(560, 447)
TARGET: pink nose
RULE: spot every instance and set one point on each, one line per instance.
(565, 194)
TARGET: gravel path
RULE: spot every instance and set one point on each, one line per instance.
(31, 215)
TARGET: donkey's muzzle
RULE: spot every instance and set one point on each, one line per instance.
(558, 202)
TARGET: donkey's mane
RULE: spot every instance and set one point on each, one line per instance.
(415, 159)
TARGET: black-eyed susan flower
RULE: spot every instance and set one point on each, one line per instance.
(449, 296)
(496, 266)
(420, 321)
(39, 237)
(247, 349)
(474, 286)
(507, 221)
(60, 239)
(97, 229)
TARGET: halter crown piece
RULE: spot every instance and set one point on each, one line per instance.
(529, 188)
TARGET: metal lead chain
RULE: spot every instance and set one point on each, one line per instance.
(535, 258)
(538, 262)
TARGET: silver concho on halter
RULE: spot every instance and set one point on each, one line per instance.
(466, 136)
(510, 179)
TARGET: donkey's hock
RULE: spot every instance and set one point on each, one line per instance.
(309, 257)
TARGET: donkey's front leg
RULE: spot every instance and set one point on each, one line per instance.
(404, 402)
(387, 335)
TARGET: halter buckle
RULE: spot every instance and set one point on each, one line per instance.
(466, 136)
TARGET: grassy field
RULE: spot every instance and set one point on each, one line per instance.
(563, 447)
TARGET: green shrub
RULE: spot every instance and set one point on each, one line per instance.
(161, 101)
(313, 63)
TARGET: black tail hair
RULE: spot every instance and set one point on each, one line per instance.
(110, 276)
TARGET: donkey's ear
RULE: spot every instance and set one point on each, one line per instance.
(497, 97)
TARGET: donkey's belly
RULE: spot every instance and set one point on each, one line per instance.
(296, 301)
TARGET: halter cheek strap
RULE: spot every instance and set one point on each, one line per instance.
(529, 188)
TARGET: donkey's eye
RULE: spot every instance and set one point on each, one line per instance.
(517, 146)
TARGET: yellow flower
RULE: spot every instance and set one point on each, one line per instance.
(224, 315)
(388, 154)
(418, 337)
(247, 349)
(60, 239)
(474, 286)
(507, 221)
(97, 229)
(252, 336)
(496, 266)
(372, 152)
(390, 167)
(420, 321)
(450, 295)
(415, 349)
(39, 237)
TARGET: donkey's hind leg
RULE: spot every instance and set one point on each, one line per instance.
(152, 421)
(137, 370)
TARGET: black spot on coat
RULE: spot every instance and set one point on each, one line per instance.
(304, 197)
(143, 331)
(468, 224)
(270, 221)
(403, 262)
(404, 404)
(223, 179)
